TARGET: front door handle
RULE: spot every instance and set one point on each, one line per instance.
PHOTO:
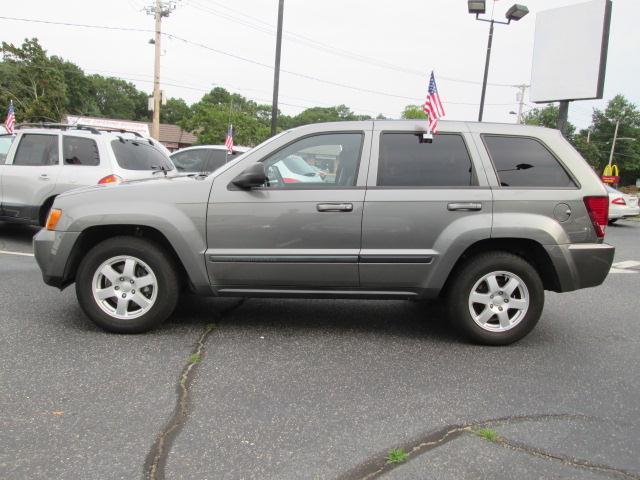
(465, 207)
(335, 207)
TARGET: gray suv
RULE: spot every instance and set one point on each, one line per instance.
(485, 216)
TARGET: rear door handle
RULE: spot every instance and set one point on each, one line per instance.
(335, 207)
(465, 207)
(44, 176)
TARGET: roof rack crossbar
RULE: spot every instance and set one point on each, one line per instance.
(96, 129)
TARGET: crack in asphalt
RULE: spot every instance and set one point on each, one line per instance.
(378, 466)
(155, 463)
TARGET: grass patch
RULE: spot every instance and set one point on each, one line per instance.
(194, 358)
(487, 433)
(396, 455)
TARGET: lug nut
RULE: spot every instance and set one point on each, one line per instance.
(122, 279)
(133, 291)
(116, 287)
(491, 306)
(124, 295)
(131, 282)
(499, 293)
(500, 308)
(506, 300)
(490, 296)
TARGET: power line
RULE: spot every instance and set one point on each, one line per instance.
(238, 57)
(326, 47)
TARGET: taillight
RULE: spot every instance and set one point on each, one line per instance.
(290, 180)
(619, 201)
(598, 208)
(109, 179)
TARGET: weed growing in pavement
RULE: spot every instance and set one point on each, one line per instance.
(194, 358)
(487, 434)
(396, 455)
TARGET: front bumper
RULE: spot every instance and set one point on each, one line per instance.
(581, 265)
(52, 251)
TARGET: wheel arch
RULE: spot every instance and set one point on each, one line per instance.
(43, 211)
(91, 236)
(530, 250)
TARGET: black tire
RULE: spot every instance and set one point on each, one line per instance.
(163, 267)
(466, 277)
(613, 220)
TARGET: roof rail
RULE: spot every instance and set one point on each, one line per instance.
(96, 129)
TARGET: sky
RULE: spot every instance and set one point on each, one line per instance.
(384, 50)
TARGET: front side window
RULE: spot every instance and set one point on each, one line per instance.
(406, 162)
(138, 154)
(322, 161)
(80, 151)
(5, 145)
(525, 162)
(37, 150)
(191, 160)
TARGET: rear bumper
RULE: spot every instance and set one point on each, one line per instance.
(581, 265)
(52, 251)
(615, 213)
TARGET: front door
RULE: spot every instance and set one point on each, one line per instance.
(31, 176)
(302, 230)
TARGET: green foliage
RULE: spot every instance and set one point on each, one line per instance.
(396, 455)
(176, 111)
(487, 433)
(117, 98)
(339, 113)
(627, 152)
(547, 117)
(414, 112)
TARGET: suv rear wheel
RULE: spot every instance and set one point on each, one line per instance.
(127, 285)
(496, 298)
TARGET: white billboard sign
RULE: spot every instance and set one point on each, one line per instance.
(139, 127)
(570, 52)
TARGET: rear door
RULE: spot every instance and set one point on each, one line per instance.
(423, 200)
(291, 236)
(83, 163)
(31, 176)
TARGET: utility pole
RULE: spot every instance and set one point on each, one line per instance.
(613, 144)
(158, 10)
(563, 117)
(276, 71)
(520, 97)
(486, 72)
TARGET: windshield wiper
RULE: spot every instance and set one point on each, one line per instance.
(159, 169)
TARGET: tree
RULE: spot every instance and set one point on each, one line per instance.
(339, 113)
(547, 117)
(627, 152)
(34, 83)
(116, 98)
(414, 112)
(176, 111)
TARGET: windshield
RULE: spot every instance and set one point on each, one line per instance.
(5, 144)
(137, 154)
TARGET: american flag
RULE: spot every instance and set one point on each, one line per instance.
(11, 118)
(433, 106)
(229, 141)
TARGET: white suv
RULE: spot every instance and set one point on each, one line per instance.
(37, 164)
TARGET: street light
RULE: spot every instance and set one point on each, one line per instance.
(477, 8)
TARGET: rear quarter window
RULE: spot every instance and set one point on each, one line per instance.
(139, 155)
(525, 162)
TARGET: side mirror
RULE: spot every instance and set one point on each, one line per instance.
(252, 176)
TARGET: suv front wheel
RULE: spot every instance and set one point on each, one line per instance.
(127, 285)
(496, 298)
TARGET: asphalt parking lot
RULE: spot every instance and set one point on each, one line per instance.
(317, 389)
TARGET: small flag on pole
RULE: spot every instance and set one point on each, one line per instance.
(433, 105)
(229, 141)
(11, 118)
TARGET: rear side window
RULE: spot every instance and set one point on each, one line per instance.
(220, 157)
(80, 151)
(5, 144)
(139, 155)
(37, 150)
(405, 162)
(191, 160)
(525, 162)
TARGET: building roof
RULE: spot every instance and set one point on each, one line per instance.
(175, 134)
